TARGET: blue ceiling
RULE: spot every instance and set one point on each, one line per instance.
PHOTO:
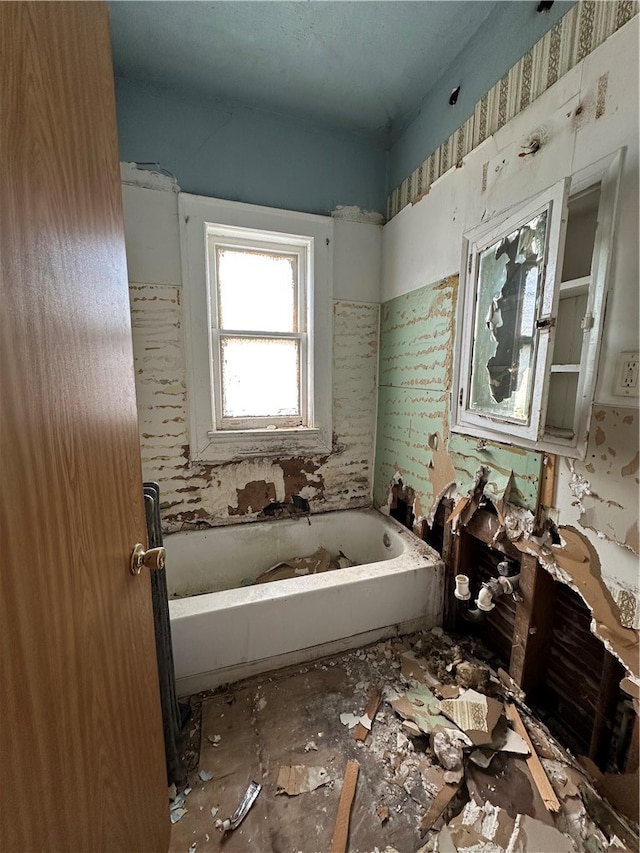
(358, 65)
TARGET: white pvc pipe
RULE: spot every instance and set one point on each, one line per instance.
(485, 599)
(461, 591)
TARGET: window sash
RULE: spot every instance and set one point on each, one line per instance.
(258, 422)
(269, 243)
(199, 218)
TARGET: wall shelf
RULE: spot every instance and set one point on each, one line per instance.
(575, 286)
(565, 368)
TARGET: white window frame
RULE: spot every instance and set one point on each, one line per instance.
(532, 435)
(224, 237)
(203, 222)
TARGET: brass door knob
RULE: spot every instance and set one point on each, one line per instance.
(152, 559)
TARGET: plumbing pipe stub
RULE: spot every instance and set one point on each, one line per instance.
(461, 591)
(506, 585)
(485, 600)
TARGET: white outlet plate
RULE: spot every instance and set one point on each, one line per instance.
(627, 381)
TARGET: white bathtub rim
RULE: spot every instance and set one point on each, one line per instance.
(417, 554)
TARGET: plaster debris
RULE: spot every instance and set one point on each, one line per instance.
(383, 814)
(294, 567)
(447, 749)
(421, 707)
(489, 828)
(421, 774)
(349, 720)
(363, 727)
(176, 809)
(476, 714)
(205, 775)
(298, 779)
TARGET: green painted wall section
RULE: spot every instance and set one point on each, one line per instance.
(415, 337)
(515, 473)
(406, 420)
(416, 356)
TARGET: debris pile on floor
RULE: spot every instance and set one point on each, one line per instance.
(422, 748)
(296, 567)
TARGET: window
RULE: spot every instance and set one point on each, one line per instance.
(532, 302)
(257, 285)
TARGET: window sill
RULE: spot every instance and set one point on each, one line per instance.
(236, 445)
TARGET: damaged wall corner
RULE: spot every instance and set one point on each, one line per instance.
(203, 494)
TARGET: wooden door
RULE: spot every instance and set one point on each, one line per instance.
(81, 750)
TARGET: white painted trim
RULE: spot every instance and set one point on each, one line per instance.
(206, 443)
(608, 172)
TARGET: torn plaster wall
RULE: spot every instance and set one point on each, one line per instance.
(599, 497)
(605, 485)
(216, 494)
(590, 112)
(586, 115)
(194, 493)
(576, 562)
(415, 369)
(514, 473)
(416, 352)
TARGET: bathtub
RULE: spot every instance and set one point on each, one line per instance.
(223, 630)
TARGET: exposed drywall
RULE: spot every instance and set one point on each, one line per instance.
(588, 114)
(230, 151)
(193, 493)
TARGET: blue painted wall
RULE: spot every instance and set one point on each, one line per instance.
(501, 40)
(235, 152)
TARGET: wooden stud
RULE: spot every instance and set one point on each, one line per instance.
(375, 697)
(633, 755)
(608, 694)
(548, 484)
(533, 762)
(533, 625)
(451, 558)
(341, 831)
(442, 800)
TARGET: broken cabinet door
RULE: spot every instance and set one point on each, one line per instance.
(508, 300)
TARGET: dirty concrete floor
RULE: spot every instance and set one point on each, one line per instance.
(292, 717)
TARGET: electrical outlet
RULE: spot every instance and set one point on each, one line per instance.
(627, 383)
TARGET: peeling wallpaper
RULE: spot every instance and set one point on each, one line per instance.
(605, 485)
(195, 493)
(575, 36)
(416, 352)
(589, 113)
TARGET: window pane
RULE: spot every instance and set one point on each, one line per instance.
(504, 347)
(260, 378)
(257, 290)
